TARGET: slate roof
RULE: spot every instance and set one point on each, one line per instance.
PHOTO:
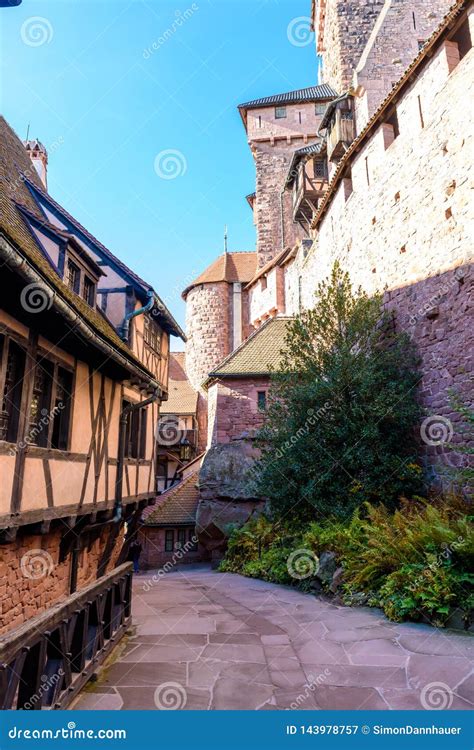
(171, 323)
(182, 398)
(300, 153)
(177, 506)
(260, 354)
(309, 94)
(230, 267)
(413, 69)
(14, 164)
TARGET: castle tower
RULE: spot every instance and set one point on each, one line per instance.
(39, 157)
(276, 126)
(216, 313)
(390, 32)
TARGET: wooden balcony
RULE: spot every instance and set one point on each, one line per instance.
(341, 132)
(46, 661)
(307, 192)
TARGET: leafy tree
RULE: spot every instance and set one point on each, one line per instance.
(340, 423)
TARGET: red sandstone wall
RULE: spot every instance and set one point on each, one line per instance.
(233, 409)
(32, 578)
(347, 29)
(208, 330)
(154, 556)
(401, 27)
(409, 228)
(272, 164)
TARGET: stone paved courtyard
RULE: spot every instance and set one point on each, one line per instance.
(208, 640)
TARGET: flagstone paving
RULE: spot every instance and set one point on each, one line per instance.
(208, 640)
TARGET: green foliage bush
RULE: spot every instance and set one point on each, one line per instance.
(414, 562)
(418, 591)
(339, 426)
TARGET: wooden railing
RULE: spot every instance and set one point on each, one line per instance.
(46, 661)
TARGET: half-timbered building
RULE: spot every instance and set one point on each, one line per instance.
(84, 346)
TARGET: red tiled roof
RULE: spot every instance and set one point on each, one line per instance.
(178, 505)
(230, 267)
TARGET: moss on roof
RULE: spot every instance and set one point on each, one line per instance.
(260, 354)
(176, 506)
(15, 165)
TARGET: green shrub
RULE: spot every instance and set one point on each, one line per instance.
(431, 592)
(340, 418)
(412, 562)
(383, 542)
(271, 566)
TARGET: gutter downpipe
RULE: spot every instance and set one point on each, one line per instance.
(141, 310)
(121, 449)
(282, 223)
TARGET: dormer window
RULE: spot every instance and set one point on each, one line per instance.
(280, 113)
(88, 291)
(73, 277)
(81, 272)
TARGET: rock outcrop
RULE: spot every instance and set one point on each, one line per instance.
(226, 497)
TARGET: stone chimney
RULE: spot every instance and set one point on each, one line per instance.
(39, 157)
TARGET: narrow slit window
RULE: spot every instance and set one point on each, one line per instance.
(420, 110)
(262, 400)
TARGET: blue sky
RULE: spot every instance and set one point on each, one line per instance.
(110, 92)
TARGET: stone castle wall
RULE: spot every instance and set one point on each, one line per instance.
(272, 164)
(233, 409)
(23, 595)
(404, 222)
(347, 29)
(273, 142)
(399, 31)
(208, 329)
